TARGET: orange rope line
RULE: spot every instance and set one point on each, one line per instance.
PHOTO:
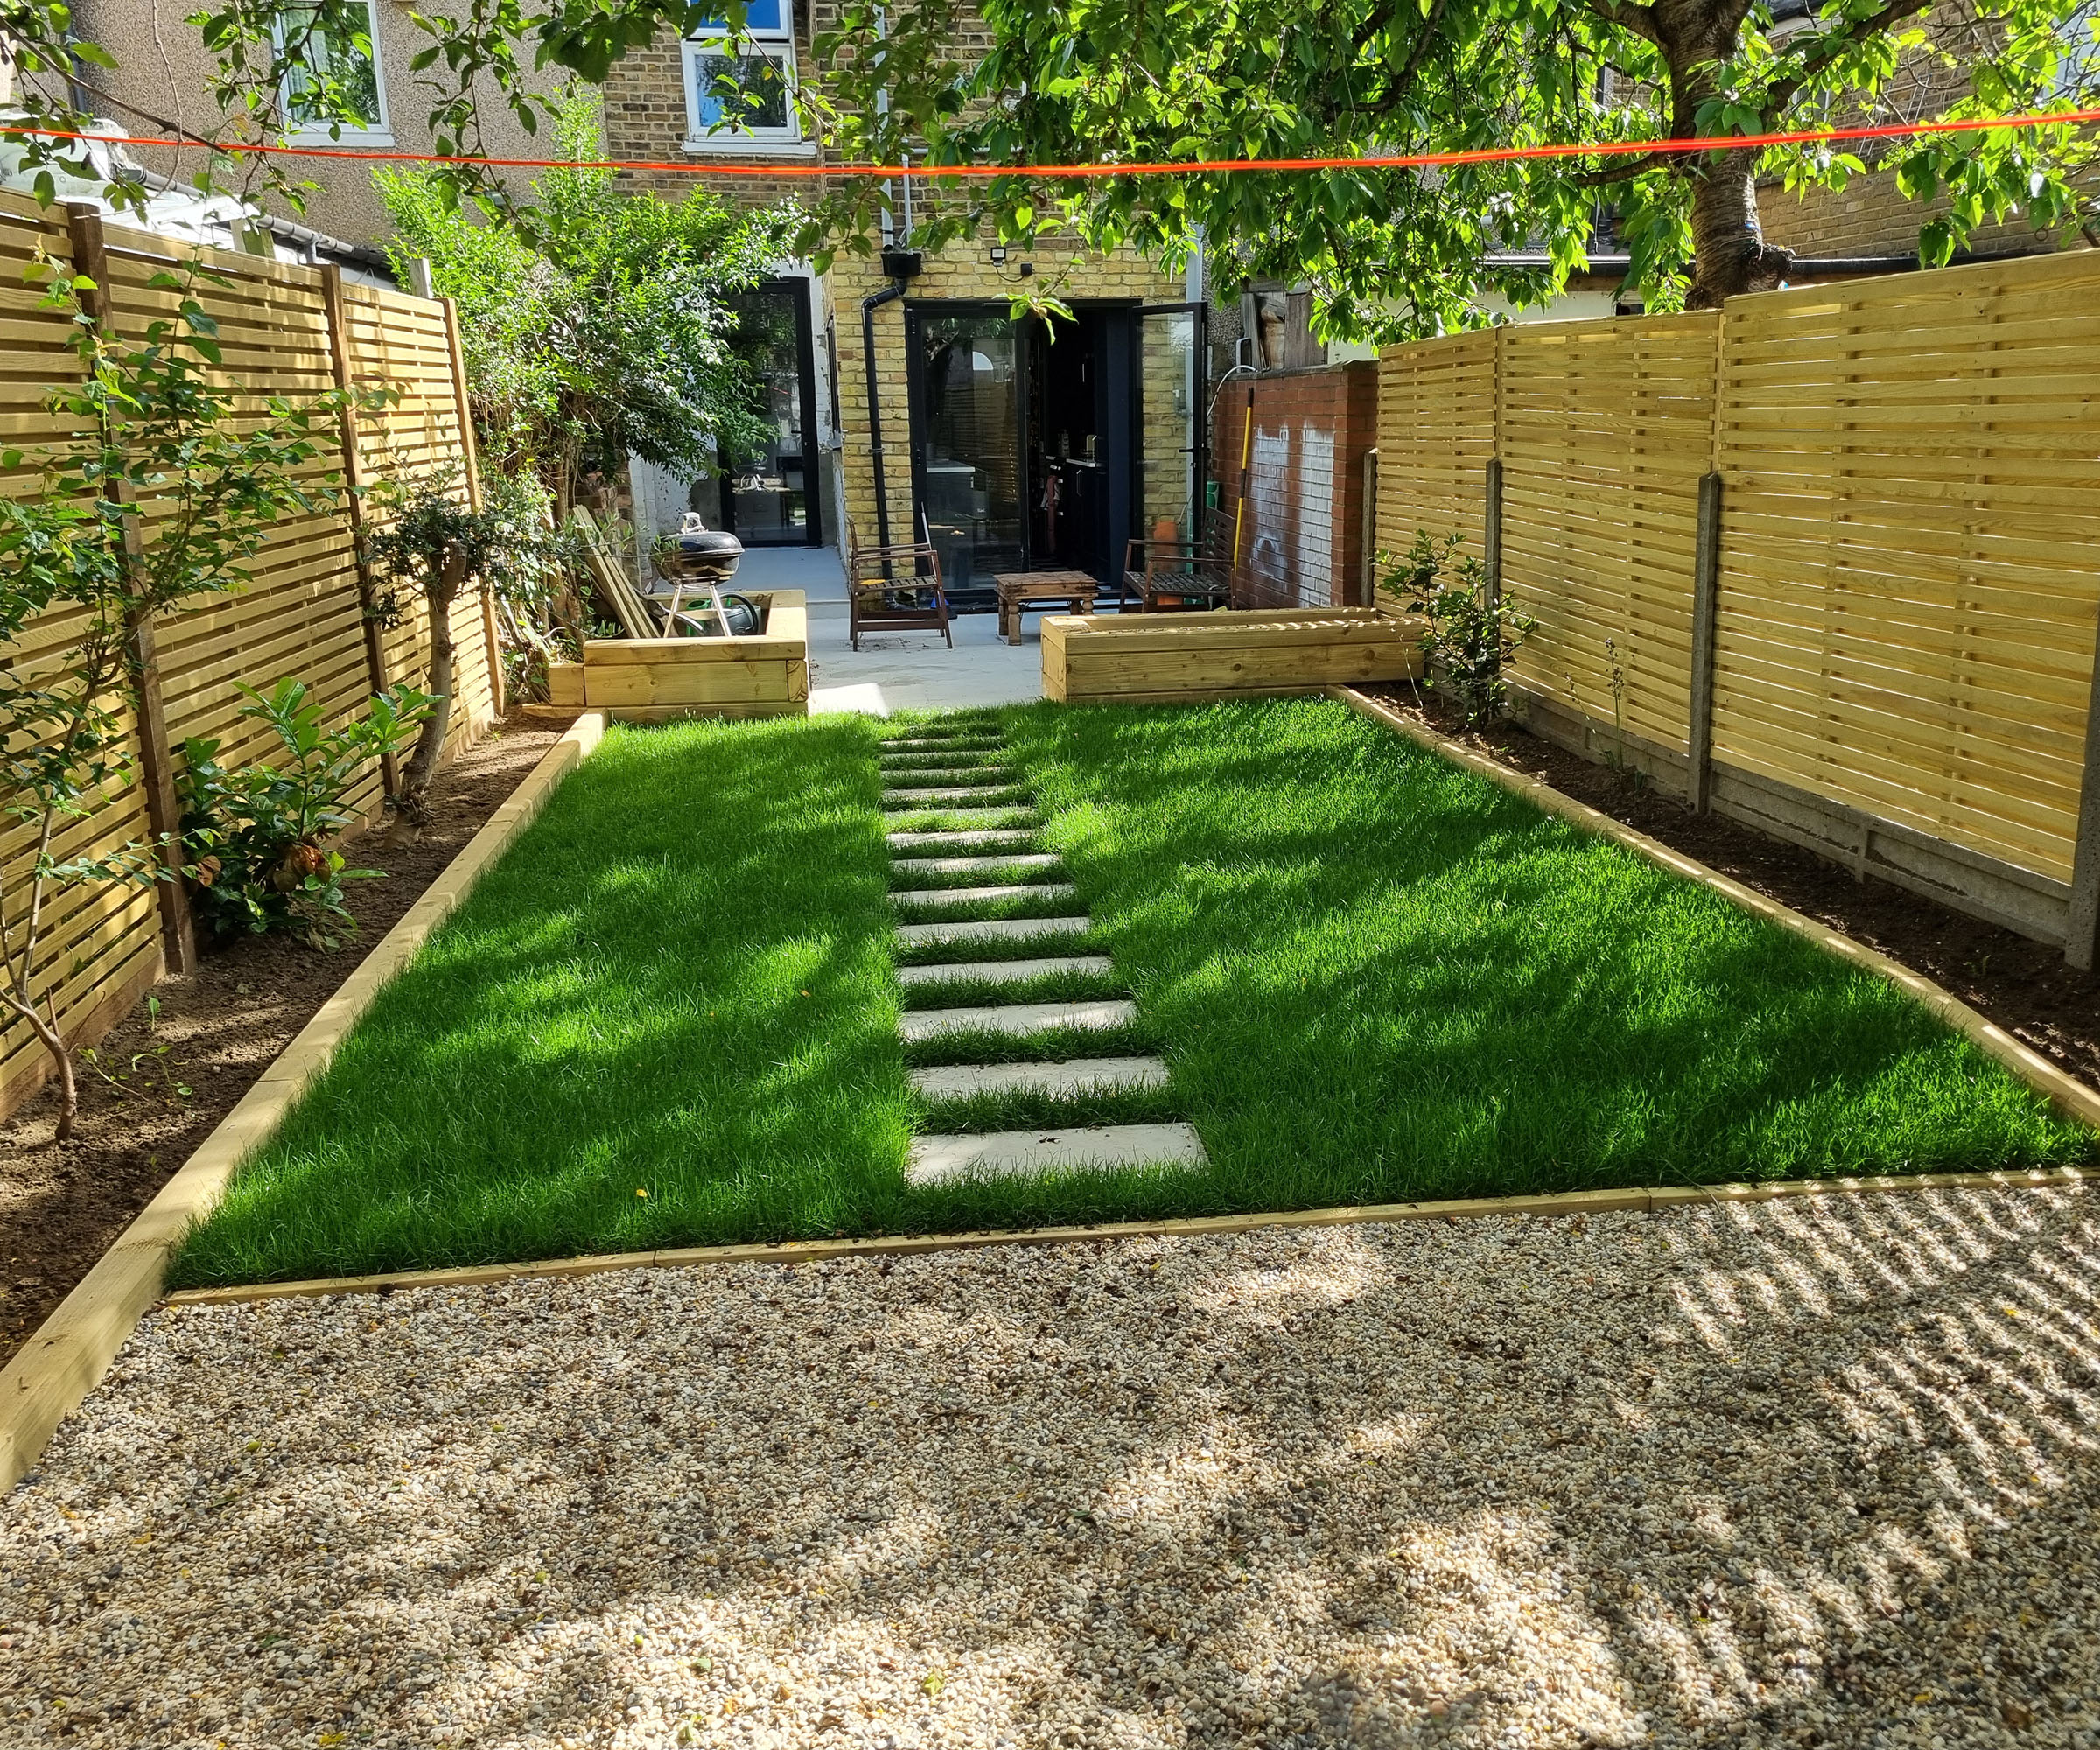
(1888, 130)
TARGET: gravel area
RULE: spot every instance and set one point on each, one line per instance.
(1811, 1472)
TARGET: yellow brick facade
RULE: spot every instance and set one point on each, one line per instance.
(646, 119)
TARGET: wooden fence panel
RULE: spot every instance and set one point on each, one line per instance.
(403, 342)
(1605, 433)
(104, 941)
(1436, 437)
(298, 615)
(300, 612)
(1910, 556)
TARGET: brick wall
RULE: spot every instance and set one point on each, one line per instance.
(1869, 217)
(962, 271)
(1290, 485)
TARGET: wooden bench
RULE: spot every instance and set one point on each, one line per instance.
(1173, 577)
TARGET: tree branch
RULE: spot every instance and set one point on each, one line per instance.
(1827, 49)
(1620, 170)
(1628, 15)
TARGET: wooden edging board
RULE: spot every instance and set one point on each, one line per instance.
(71, 1349)
(1639, 1199)
(2066, 1093)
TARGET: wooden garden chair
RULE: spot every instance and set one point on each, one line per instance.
(877, 599)
(1172, 577)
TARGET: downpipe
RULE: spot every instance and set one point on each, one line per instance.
(869, 305)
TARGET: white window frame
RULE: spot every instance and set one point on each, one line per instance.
(777, 45)
(379, 132)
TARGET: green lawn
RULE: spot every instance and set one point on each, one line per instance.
(1375, 977)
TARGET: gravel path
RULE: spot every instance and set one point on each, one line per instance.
(1816, 1472)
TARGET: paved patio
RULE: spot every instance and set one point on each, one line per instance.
(897, 670)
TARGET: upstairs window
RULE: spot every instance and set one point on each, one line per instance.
(739, 91)
(332, 89)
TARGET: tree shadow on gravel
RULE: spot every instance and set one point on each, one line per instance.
(1807, 1471)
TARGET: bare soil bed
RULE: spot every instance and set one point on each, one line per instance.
(2022, 985)
(156, 1087)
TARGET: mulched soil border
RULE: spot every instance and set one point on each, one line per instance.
(74, 1347)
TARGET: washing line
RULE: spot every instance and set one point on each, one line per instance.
(1666, 148)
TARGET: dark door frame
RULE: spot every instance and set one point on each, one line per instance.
(1126, 491)
(805, 384)
(1199, 415)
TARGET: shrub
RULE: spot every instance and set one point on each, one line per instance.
(259, 834)
(1473, 630)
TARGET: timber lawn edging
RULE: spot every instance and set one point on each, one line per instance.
(1640, 1200)
(2065, 1092)
(72, 1349)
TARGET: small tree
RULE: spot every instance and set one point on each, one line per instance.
(435, 545)
(595, 324)
(168, 483)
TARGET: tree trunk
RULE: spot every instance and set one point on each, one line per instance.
(1729, 251)
(1730, 254)
(439, 595)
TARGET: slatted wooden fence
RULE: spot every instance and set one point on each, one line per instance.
(1886, 650)
(285, 330)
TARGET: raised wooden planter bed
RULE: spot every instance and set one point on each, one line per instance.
(653, 680)
(1168, 658)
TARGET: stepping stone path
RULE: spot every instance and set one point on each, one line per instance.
(943, 769)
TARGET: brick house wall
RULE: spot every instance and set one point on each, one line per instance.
(646, 119)
(1290, 521)
(1870, 216)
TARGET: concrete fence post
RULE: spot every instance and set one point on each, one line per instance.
(2084, 921)
(1706, 601)
(1493, 537)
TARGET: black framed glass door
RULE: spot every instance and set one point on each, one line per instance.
(1172, 438)
(769, 497)
(970, 383)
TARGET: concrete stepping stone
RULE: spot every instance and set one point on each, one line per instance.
(962, 865)
(1005, 971)
(916, 799)
(946, 743)
(1002, 1154)
(990, 929)
(941, 841)
(1097, 1014)
(1074, 1076)
(969, 896)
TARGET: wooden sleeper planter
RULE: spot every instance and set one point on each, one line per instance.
(1169, 658)
(653, 680)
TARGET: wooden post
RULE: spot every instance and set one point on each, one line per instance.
(156, 754)
(2084, 925)
(471, 456)
(1493, 531)
(354, 478)
(1705, 602)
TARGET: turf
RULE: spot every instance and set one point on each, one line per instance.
(668, 1016)
(1380, 977)
(677, 982)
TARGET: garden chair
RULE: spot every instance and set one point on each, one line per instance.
(1171, 576)
(877, 599)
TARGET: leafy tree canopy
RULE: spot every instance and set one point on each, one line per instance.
(602, 328)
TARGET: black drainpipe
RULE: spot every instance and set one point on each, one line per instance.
(868, 307)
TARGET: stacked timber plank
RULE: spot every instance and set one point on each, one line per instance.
(1178, 658)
